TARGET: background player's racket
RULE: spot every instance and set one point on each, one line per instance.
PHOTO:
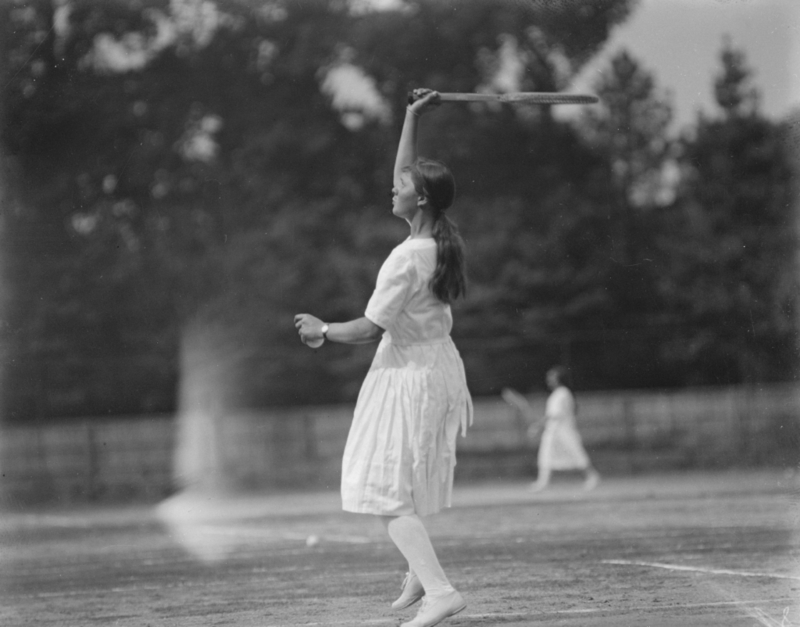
(528, 423)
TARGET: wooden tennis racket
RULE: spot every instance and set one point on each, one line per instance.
(522, 97)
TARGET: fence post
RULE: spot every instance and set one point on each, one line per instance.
(91, 460)
(311, 450)
(744, 415)
(629, 421)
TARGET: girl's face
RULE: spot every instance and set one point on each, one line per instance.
(405, 199)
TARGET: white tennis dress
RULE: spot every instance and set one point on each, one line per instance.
(400, 453)
(561, 447)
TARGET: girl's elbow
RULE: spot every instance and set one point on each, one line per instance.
(374, 332)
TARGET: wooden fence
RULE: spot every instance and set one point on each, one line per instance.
(624, 432)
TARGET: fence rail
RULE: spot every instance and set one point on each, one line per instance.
(624, 431)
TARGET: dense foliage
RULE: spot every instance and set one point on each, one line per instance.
(181, 179)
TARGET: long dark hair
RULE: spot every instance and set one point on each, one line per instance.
(435, 181)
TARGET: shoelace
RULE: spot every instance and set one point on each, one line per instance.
(426, 603)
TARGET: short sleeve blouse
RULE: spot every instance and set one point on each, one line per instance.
(403, 304)
(560, 404)
(393, 288)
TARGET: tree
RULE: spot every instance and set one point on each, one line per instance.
(731, 282)
(630, 128)
(628, 131)
(182, 164)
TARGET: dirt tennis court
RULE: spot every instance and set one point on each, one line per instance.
(686, 550)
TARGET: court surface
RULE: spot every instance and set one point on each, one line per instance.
(685, 550)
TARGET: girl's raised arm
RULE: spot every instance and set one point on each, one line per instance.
(424, 100)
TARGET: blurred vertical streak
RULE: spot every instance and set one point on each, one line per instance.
(205, 464)
(204, 385)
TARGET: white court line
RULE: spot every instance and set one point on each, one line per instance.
(696, 569)
(764, 619)
(759, 615)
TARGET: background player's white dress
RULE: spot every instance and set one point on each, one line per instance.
(400, 454)
(561, 447)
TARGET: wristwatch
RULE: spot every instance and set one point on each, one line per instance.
(325, 328)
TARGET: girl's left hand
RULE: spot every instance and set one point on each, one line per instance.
(308, 327)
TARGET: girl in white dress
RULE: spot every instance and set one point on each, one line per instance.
(561, 447)
(400, 454)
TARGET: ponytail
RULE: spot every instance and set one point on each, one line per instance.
(433, 180)
(449, 279)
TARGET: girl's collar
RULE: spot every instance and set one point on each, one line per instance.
(419, 241)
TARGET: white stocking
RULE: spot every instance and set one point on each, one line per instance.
(410, 536)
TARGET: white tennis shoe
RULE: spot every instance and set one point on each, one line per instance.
(435, 609)
(412, 592)
(591, 481)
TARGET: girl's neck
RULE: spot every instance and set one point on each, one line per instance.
(421, 226)
(421, 234)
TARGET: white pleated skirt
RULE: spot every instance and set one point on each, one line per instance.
(400, 454)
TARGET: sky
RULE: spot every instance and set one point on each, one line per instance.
(679, 41)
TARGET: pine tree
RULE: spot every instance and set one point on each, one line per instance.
(731, 280)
